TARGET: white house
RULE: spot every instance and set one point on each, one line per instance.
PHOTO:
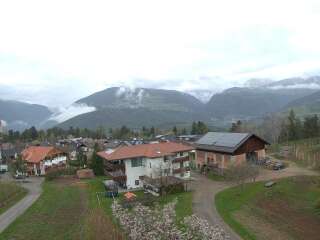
(128, 164)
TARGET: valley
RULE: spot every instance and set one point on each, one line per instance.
(118, 106)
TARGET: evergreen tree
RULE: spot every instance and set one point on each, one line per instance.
(202, 128)
(152, 131)
(97, 162)
(311, 127)
(175, 130)
(236, 127)
(293, 125)
(184, 131)
(194, 128)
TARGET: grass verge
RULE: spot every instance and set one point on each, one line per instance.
(10, 194)
(277, 210)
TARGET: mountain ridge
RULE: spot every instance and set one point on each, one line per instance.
(136, 107)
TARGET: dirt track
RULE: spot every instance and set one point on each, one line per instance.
(206, 189)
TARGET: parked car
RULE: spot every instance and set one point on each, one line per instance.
(3, 168)
(20, 175)
(278, 166)
(269, 163)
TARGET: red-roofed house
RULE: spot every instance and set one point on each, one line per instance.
(40, 159)
(128, 164)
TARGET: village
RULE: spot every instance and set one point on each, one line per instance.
(183, 173)
(160, 120)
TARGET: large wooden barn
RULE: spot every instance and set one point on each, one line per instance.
(219, 149)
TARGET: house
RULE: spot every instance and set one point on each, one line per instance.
(8, 155)
(220, 149)
(113, 144)
(188, 138)
(3, 126)
(165, 138)
(129, 164)
(40, 159)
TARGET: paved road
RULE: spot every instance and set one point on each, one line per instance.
(206, 189)
(33, 185)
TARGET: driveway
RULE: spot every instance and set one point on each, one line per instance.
(206, 189)
(33, 185)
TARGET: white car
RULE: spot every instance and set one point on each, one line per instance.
(3, 168)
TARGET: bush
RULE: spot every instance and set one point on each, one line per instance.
(55, 173)
(317, 206)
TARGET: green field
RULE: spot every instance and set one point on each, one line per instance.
(10, 193)
(70, 209)
(65, 210)
(289, 210)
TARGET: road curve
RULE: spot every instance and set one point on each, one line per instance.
(33, 185)
(206, 189)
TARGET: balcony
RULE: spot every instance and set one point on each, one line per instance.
(111, 167)
(181, 159)
(181, 170)
(118, 176)
(213, 165)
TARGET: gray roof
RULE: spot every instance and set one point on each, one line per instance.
(222, 141)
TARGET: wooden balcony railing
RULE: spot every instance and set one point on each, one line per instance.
(181, 159)
(110, 167)
(118, 176)
(181, 170)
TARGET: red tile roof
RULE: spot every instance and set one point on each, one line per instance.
(145, 150)
(36, 154)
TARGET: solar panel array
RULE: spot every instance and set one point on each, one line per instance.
(222, 139)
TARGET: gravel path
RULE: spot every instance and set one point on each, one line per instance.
(33, 185)
(206, 189)
(204, 202)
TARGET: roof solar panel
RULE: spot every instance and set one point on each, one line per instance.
(222, 139)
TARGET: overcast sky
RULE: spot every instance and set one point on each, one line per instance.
(54, 52)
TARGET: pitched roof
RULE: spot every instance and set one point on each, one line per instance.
(36, 154)
(224, 141)
(145, 150)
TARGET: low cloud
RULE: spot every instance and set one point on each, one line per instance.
(296, 86)
(63, 114)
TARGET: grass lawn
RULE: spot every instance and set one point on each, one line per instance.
(289, 210)
(67, 209)
(10, 193)
(70, 209)
(184, 204)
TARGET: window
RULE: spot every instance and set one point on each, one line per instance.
(166, 158)
(137, 182)
(150, 165)
(136, 162)
(181, 154)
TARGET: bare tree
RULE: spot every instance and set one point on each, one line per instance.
(271, 127)
(239, 174)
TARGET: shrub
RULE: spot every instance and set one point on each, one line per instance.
(317, 206)
(55, 173)
(144, 223)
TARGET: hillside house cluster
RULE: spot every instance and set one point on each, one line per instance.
(129, 164)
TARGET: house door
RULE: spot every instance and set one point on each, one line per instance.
(252, 157)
